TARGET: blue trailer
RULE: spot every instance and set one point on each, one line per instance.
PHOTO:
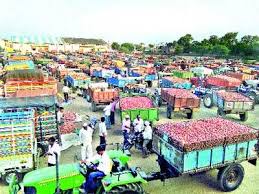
(226, 158)
(76, 83)
(165, 83)
(121, 82)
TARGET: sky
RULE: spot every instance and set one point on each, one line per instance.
(148, 21)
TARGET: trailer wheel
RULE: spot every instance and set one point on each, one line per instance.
(221, 112)
(7, 177)
(88, 98)
(207, 101)
(132, 188)
(93, 107)
(243, 116)
(190, 115)
(149, 84)
(230, 177)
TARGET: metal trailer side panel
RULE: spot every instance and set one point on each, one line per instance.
(202, 160)
(151, 114)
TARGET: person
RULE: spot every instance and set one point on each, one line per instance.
(113, 109)
(85, 138)
(60, 115)
(65, 91)
(107, 114)
(102, 132)
(147, 136)
(126, 124)
(103, 168)
(138, 125)
(53, 148)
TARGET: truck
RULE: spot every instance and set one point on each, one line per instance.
(17, 143)
(100, 94)
(180, 100)
(45, 108)
(173, 161)
(239, 104)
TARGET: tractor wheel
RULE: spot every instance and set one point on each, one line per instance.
(190, 115)
(133, 188)
(94, 107)
(221, 113)
(243, 116)
(208, 101)
(230, 177)
(149, 84)
(8, 176)
(70, 191)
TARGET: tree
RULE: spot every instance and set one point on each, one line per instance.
(115, 46)
(178, 49)
(220, 50)
(128, 46)
(151, 46)
(139, 47)
(186, 42)
(213, 40)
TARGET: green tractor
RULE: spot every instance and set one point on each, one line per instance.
(68, 178)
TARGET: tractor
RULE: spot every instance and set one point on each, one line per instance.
(68, 178)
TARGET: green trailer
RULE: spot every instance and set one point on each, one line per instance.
(150, 114)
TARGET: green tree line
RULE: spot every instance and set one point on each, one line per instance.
(229, 44)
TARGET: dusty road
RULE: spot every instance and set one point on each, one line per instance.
(199, 184)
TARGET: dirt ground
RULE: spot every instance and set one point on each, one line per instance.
(198, 184)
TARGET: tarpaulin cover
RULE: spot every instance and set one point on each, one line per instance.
(39, 101)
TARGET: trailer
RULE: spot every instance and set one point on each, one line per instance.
(147, 113)
(122, 82)
(99, 94)
(180, 100)
(17, 143)
(226, 155)
(174, 82)
(72, 82)
(239, 105)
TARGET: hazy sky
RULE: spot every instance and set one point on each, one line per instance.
(129, 20)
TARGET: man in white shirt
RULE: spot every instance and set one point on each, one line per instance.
(126, 124)
(102, 132)
(138, 125)
(65, 91)
(103, 168)
(85, 138)
(107, 114)
(147, 136)
(54, 149)
(60, 115)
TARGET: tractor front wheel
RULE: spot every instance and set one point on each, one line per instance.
(133, 188)
(208, 101)
(243, 116)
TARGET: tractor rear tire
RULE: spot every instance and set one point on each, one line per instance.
(132, 188)
(208, 101)
(230, 177)
(7, 177)
(243, 116)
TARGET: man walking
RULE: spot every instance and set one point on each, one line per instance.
(147, 136)
(107, 114)
(85, 138)
(126, 124)
(54, 149)
(102, 132)
(65, 91)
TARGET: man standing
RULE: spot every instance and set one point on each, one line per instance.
(54, 148)
(103, 168)
(60, 115)
(113, 108)
(147, 136)
(138, 125)
(107, 114)
(85, 137)
(126, 124)
(65, 91)
(102, 132)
